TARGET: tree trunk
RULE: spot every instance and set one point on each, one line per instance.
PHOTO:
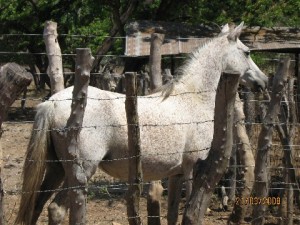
(290, 205)
(77, 176)
(208, 172)
(107, 43)
(134, 151)
(155, 60)
(13, 81)
(261, 183)
(55, 67)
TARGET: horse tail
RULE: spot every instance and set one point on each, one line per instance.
(35, 162)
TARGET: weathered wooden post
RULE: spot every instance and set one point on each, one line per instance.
(55, 68)
(84, 61)
(134, 151)
(286, 130)
(145, 78)
(261, 183)
(245, 157)
(155, 60)
(207, 173)
(156, 81)
(297, 75)
(13, 81)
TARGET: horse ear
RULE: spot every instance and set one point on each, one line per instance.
(235, 34)
(225, 29)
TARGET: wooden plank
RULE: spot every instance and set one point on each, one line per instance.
(184, 38)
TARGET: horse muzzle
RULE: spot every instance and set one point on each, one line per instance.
(257, 80)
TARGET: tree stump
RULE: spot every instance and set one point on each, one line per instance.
(14, 79)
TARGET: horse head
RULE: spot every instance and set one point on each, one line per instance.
(237, 58)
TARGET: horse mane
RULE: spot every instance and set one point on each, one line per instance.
(167, 89)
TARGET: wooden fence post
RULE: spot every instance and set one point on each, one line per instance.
(156, 81)
(207, 173)
(286, 131)
(55, 68)
(261, 183)
(155, 60)
(297, 75)
(77, 176)
(134, 150)
(13, 81)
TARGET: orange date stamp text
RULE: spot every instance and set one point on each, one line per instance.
(257, 201)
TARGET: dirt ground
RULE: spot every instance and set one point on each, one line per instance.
(105, 205)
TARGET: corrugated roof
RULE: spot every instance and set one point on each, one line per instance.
(183, 38)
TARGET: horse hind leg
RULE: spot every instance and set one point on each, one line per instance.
(73, 193)
(53, 178)
(174, 194)
(59, 207)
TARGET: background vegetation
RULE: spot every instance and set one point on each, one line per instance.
(95, 20)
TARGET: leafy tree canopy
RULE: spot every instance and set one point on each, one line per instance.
(94, 20)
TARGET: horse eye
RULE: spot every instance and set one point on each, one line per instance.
(247, 53)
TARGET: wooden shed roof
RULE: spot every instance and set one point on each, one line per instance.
(183, 38)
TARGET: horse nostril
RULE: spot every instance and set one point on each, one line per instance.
(260, 86)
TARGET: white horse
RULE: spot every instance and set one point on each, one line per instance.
(176, 128)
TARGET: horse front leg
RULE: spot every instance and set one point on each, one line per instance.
(174, 195)
(153, 202)
(59, 207)
(188, 176)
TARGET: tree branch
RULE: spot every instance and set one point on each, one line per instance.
(107, 43)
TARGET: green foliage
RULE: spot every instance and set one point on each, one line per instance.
(88, 18)
(92, 20)
(271, 13)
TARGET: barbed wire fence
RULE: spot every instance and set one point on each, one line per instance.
(275, 168)
(11, 128)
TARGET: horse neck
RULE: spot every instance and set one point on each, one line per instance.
(203, 71)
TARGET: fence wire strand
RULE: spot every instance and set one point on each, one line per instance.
(122, 186)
